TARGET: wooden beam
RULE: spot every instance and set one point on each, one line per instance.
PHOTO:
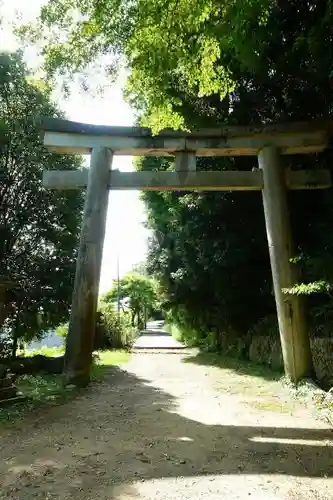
(66, 179)
(80, 337)
(290, 312)
(177, 181)
(120, 145)
(295, 143)
(265, 130)
(187, 181)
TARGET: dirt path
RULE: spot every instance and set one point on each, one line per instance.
(167, 428)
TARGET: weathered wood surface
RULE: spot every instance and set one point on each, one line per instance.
(80, 337)
(185, 162)
(66, 126)
(291, 316)
(311, 142)
(70, 137)
(174, 181)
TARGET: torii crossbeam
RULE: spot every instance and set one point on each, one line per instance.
(265, 142)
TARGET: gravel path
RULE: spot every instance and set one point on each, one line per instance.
(166, 428)
(157, 339)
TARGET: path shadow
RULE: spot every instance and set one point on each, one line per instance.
(126, 430)
(240, 366)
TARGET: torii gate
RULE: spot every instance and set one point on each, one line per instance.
(268, 143)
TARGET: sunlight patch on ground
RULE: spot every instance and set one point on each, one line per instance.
(303, 442)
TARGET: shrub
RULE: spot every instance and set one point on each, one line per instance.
(113, 330)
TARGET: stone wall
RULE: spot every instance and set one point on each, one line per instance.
(266, 350)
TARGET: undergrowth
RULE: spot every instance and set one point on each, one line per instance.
(42, 389)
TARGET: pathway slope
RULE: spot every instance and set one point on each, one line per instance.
(167, 428)
(157, 338)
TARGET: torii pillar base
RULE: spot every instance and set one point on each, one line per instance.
(294, 335)
(81, 332)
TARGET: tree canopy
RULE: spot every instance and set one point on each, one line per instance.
(164, 43)
(39, 228)
(194, 47)
(142, 293)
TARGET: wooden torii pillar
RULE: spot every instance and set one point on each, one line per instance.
(268, 143)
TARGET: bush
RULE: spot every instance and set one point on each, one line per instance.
(113, 330)
(178, 320)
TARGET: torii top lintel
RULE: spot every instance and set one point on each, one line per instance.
(65, 136)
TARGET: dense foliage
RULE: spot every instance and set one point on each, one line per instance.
(39, 228)
(214, 245)
(207, 63)
(113, 330)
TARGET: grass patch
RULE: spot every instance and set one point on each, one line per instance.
(104, 360)
(40, 390)
(50, 352)
(43, 389)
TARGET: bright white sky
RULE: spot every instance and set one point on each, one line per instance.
(125, 235)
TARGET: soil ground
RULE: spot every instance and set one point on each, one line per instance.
(167, 427)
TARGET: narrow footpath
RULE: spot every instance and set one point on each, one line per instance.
(156, 339)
